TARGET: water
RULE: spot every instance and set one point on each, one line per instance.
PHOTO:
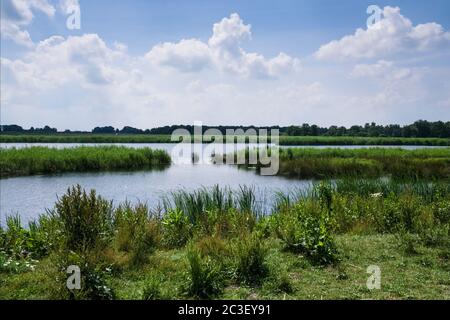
(31, 196)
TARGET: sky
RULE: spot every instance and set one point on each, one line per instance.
(79, 64)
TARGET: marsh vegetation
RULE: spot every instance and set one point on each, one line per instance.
(213, 243)
(306, 163)
(166, 138)
(43, 160)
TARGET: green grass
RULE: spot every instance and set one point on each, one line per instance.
(151, 138)
(84, 138)
(316, 245)
(347, 140)
(420, 276)
(43, 160)
(305, 163)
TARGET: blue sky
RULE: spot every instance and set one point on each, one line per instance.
(299, 26)
(283, 69)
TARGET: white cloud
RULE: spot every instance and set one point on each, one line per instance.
(224, 52)
(56, 61)
(66, 5)
(391, 35)
(120, 46)
(12, 31)
(80, 82)
(17, 14)
(382, 69)
(186, 55)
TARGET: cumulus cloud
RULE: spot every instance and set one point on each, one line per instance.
(393, 34)
(80, 82)
(222, 51)
(57, 60)
(17, 14)
(186, 55)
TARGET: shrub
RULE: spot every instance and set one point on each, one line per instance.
(93, 277)
(436, 236)
(441, 210)
(305, 228)
(400, 213)
(176, 228)
(408, 242)
(11, 264)
(212, 246)
(86, 219)
(250, 255)
(266, 225)
(204, 278)
(325, 194)
(136, 232)
(19, 242)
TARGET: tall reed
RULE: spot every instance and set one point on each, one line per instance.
(43, 160)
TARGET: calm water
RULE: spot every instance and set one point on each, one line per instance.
(30, 196)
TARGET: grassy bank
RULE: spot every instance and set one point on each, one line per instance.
(305, 163)
(284, 140)
(212, 244)
(43, 160)
(363, 141)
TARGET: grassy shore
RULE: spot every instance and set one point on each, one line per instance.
(211, 244)
(43, 160)
(284, 140)
(305, 163)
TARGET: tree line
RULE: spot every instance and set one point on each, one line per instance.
(419, 129)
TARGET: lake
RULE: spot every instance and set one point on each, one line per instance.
(30, 196)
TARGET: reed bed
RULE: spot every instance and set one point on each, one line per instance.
(362, 141)
(43, 160)
(161, 138)
(306, 163)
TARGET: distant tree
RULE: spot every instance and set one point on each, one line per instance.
(420, 128)
(107, 129)
(131, 130)
(11, 128)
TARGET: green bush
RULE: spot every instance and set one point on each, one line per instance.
(86, 219)
(136, 232)
(19, 242)
(12, 264)
(409, 242)
(400, 213)
(250, 255)
(176, 228)
(436, 236)
(214, 247)
(204, 279)
(305, 228)
(441, 210)
(93, 277)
